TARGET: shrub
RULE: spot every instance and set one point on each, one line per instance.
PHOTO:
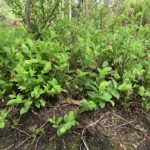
(99, 59)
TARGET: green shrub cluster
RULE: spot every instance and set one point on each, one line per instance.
(102, 59)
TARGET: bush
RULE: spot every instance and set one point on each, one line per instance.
(95, 62)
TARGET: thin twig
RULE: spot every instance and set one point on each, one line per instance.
(50, 15)
(90, 125)
(112, 125)
(120, 117)
(8, 147)
(124, 124)
(23, 142)
(21, 131)
(36, 144)
(133, 126)
(42, 126)
(85, 143)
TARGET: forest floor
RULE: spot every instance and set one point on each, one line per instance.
(106, 129)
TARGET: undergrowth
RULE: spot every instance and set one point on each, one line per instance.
(99, 59)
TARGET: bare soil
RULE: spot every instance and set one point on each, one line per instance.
(105, 129)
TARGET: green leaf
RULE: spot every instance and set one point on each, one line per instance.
(15, 101)
(106, 96)
(51, 120)
(31, 72)
(55, 126)
(61, 131)
(102, 104)
(66, 126)
(37, 92)
(22, 88)
(115, 93)
(142, 91)
(20, 69)
(27, 105)
(59, 120)
(3, 113)
(112, 102)
(52, 87)
(37, 104)
(125, 87)
(115, 84)
(105, 64)
(47, 67)
(104, 72)
(53, 82)
(3, 116)
(87, 105)
(69, 117)
(116, 75)
(103, 85)
(30, 42)
(2, 123)
(42, 102)
(23, 111)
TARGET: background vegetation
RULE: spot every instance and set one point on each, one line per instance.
(92, 53)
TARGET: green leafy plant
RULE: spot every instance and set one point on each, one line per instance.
(103, 90)
(36, 131)
(99, 59)
(3, 116)
(64, 124)
(145, 94)
(86, 105)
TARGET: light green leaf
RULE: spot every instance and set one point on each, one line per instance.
(102, 104)
(47, 67)
(103, 85)
(115, 93)
(125, 87)
(3, 113)
(142, 90)
(115, 84)
(106, 96)
(112, 102)
(37, 92)
(61, 131)
(37, 104)
(15, 101)
(2, 123)
(69, 117)
(42, 102)
(104, 72)
(87, 105)
(23, 111)
(105, 64)
(27, 105)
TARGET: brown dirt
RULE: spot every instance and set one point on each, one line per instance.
(108, 129)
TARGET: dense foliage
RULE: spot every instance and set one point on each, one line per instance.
(100, 58)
